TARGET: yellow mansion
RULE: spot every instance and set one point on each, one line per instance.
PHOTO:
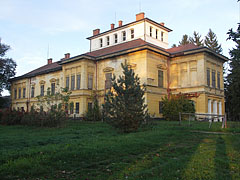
(143, 44)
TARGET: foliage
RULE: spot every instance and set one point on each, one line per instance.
(232, 89)
(185, 40)
(212, 42)
(124, 106)
(94, 151)
(174, 105)
(174, 45)
(7, 68)
(11, 117)
(94, 113)
(196, 39)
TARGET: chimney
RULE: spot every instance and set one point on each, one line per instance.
(67, 56)
(140, 16)
(120, 23)
(112, 26)
(96, 32)
(49, 61)
(162, 23)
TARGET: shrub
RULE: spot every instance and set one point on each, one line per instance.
(94, 113)
(175, 104)
(11, 117)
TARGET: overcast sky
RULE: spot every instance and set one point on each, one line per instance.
(31, 26)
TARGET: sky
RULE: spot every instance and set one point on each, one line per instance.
(38, 30)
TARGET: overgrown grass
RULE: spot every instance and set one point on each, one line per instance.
(95, 151)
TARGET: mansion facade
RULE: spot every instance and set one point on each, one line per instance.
(143, 44)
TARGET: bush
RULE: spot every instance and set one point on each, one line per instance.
(94, 113)
(11, 117)
(176, 104)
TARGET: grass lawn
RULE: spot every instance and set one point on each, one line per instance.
(95, 151)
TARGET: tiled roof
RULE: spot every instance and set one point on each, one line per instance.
(42, 70)
(183, 48)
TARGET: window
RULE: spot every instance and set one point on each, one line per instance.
(108, 40)
(151, 31)
(160, 107)
(66, 108)
(90, 81)
(52, 88)
(108, 81)
(160, 78)
(132, 33)
(19, 93)
(22, 109)
(78, 81)
(24, 92)
(42, 90)
(115, 38)
(213, 79)
(101, 42)
(218, 80)
(67, 82)
(124, 35)
(71, 107)
(208, 77)
(77, 108)
(32, 91)
(162, 36)
(72, 82)
(15, 93)
(90, 106)
(156, 34)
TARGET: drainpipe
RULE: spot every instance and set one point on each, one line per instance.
(168, 77)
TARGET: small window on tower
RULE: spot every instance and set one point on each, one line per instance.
(108, 40)
(162, 36)
(101, 42)
(115, 38)
(132, 33)
(156, 34)
(124, 35)
(151, 31)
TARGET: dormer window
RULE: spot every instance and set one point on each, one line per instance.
(101, 42)
(132, 33)
(156, 34)
(108, 40)
(151, 31)
(115, 38)
(162, 36)
(124, 35)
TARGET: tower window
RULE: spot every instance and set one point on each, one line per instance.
(162, 36)
(108, 40)
(132, 33)
(101, 42)
(156, 34)
(115, 38)
(124, 35)
(151, 31)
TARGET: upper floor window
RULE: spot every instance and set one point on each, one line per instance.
(162, 34)
(156, 34)
(90, 81)
(42, 90)
(78, 81)
(115, 38)
(19, 93)
(124, 35)
(132, 33)
(32, 91)
(15, 93)
(108, 40)
(24, 92)
(52, 88)
(151, 31)
(208, 77)
(213, 79)
(218, 80)
(101, 42)
(160, 78)
(108, 81)
(67, 82)
(72, 82)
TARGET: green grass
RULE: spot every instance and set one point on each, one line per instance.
(95, 151)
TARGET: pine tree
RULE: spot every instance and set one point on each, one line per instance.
(185, 40)
(232, 89)
(174, 45)
(124, 106)
(212, 42)
(196, 39)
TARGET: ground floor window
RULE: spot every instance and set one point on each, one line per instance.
(160, 107)
(77, 108)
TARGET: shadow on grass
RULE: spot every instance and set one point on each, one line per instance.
(222, 168)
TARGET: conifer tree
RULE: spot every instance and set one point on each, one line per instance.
(196, 39)
(232, 89)
(124, 106)
(185, 40)
(212, 42)
(174, 45)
